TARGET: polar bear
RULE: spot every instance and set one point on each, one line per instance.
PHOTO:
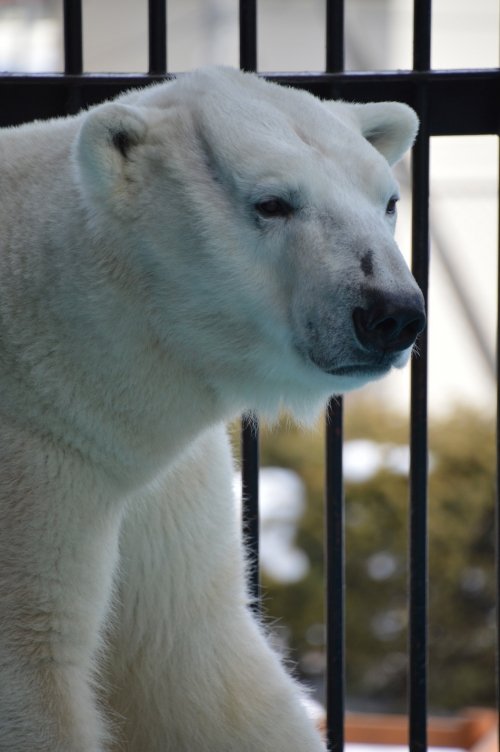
(168, 259)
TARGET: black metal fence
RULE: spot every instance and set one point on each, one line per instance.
(455, 102)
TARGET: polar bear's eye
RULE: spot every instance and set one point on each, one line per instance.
(391, 205)
(273, 207)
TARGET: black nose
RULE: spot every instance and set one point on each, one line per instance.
(390, 323)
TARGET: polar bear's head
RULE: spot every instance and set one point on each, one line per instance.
(261, 221)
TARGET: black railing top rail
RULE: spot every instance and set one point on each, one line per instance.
(458, 102)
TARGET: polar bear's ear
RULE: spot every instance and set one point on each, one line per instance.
(390, 127)
(105, 144)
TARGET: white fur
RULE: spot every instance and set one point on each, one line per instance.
(143, 302)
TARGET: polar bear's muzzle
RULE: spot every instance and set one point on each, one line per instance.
(383, 330)
(389, 323)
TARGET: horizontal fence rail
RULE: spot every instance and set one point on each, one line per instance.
(449, 103)
(458, 102)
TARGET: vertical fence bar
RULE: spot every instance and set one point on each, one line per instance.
(157, 37)
(250, 425)
(335, 578)
(419, 431)
(250, 495)
(334, 494)
(334, 36)
(248, 35)
(73, 45)
(497, 505)
(422, 21)
(73, 51)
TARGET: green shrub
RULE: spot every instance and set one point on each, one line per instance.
(461, 561)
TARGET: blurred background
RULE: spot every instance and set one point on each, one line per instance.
(462, 334)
